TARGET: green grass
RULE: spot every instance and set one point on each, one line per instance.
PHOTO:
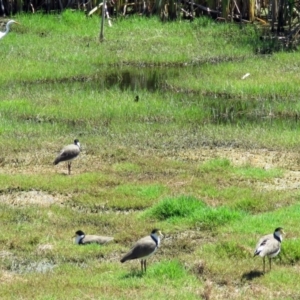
(215, 165)
(93, 280)
(208, 158)
(192, 211)
(258, 173)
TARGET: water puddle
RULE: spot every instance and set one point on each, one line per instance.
(134, 79)
(144, 79)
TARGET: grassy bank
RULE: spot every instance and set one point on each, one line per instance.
(203, 155)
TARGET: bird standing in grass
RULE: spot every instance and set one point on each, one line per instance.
(82, 239)
(68, 153)
(3, 34)
(269, 245)
(144, 248)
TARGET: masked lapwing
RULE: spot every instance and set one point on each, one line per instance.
(269, 245)
(144, 248)
(82, 239)
(68, 153)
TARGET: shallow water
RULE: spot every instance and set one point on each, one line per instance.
(222, 109)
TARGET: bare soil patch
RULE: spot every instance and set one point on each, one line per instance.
(260, 158)
(31, 197)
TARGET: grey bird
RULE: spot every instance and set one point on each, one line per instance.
(144, 248)
(82, 239)
(269, 245)
(68, 153)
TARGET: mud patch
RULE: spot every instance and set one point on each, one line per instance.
(31, 198)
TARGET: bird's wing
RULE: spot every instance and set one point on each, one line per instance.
(267, 245)
(261, 243)
(142, 248)
(67, 153)
(271, 248)
(96, 239)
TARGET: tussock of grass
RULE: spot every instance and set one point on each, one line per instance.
(250, 204)
(231, 249)
(171, 269)
(258, 173)
(291, 251)
(214, 165)
(192, 211)
(181, 207)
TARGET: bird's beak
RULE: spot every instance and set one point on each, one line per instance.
(160, 234)
(17, 23)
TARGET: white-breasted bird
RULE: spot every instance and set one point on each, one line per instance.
(144, 248)
(82, 239)
(68, 153)
(3, 34)
(269, 245)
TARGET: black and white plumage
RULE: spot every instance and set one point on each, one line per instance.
(82, 239)
(3, 34)
(269, 245)
(144, 248)
(68, 153)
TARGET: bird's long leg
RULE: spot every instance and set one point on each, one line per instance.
(264, 263)
(270, 263)
(145, 265)
(69, 168)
